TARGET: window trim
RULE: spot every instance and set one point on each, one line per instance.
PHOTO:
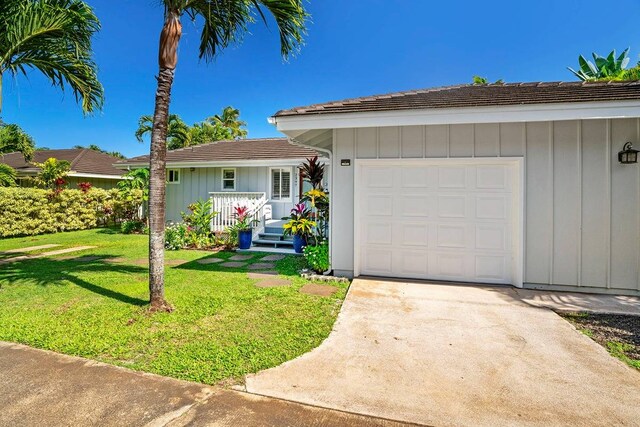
(222, 179)
(289, 198)
(174, 171)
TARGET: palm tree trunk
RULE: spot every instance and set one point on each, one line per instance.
(167, 59)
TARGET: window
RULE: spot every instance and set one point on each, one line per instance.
(229, 179)
(280, 184)
(173, 176)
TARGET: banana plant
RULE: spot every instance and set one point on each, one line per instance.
(601, 68)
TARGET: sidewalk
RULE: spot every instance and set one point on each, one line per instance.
(44, 388)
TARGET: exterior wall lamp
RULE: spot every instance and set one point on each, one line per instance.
(628, 155)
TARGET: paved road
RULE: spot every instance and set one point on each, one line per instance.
(458, 355)
(41, 388)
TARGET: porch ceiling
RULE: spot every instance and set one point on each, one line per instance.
(321, 138)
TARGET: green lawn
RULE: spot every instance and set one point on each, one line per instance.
(223, 326)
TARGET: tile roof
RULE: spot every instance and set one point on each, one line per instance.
(82, 160)
(498, 94)
(234, 150)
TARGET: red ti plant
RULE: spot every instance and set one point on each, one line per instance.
(84, 186)
(243, 220)
(300, 211)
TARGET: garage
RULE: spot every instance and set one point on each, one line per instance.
(444, 219)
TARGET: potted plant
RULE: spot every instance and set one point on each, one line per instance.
(299, 226)
(243, 226)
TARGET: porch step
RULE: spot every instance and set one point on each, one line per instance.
(273, 242)
(273, 230)
(274, 236)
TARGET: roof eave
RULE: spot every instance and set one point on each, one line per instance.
(219, 163)
(293, 124)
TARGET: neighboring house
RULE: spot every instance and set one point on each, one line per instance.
(257, 173)
(86, 166)
(504, 183)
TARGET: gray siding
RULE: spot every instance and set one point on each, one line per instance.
(582, 208)
(200, 182)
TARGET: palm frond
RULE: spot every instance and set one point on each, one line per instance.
(13, 138)
(7, 176)
(53, 37)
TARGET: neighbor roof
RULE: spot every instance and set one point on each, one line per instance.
(478, 96)
(82, 160)
(234, 150)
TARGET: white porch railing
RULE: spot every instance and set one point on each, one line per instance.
(225, 203)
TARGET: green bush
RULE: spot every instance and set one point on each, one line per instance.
(318, 256)
(31, 211)
(130, 226)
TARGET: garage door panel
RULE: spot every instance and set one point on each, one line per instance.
(429, 221)
(379, 205)
(378, 233)
(452, 206)
(413, 234)
(414, 205)
(452, 177)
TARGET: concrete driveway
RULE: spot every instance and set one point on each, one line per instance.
(457, 355)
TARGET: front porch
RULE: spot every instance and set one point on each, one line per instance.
(268, 233)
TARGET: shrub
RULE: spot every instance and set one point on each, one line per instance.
(30, 211)
(130, 226)
(318, 256)
(175, 237)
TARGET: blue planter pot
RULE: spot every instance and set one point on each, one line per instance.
(244, 239)
(299, 242)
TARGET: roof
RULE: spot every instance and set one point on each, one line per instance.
(234, 150)
(497, 94)
(82, 160)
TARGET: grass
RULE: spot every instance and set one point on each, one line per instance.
(223, 326)
(619, 334)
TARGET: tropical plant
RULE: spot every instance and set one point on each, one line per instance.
(611, 67)
(243, 219)
(131, 226)
(7, 176)
(135, 179)
(479, 81)
(317, 256)
(13, 138)
(84, 186)
(176, 237)
(230, 120)
(299, 226)
(313, 171)
(177, 131)
(52, 173)
(53, 37)
(200, 217)
(222, 23)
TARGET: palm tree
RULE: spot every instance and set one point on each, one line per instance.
(230, 119)
(53, 37)
(223, 23)
(13, 138)
(7, 176)
(178, 135)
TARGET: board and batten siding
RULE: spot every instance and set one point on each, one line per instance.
(197, 184)
(582, 207)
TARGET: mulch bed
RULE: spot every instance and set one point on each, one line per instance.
(607, 328)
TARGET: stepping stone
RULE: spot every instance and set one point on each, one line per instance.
(81, 259)
(209, 260)
(241, 257)
(28, 249)
(116, 260)
(233, 264)
(273, 257)
(262, 266)
(45, 254)
(273, 283)
(321, 290)
(262, 275)
(174, 262)
(141, 261)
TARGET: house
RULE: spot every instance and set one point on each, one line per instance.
(261, 174)
(86, 166)
(503, 183)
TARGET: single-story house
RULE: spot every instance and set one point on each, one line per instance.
(250, 172)
(503, 183)
(86, 166)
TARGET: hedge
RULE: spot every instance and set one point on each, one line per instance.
(30, 211)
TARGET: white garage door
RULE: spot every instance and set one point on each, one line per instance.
(438, 219)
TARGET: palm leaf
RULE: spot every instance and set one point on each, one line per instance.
(7, 176)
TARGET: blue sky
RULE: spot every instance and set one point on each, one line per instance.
(354, 48)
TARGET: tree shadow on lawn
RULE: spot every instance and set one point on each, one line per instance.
(46, 271)
(289, 266)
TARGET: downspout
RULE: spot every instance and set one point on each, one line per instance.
(330, 156)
